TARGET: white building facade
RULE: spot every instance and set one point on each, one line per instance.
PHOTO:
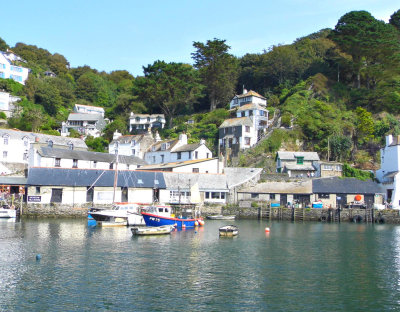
(250, 97)
(7, 103)
(142, 122)
(10, 71)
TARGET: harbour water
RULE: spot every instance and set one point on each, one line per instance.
(295, 267)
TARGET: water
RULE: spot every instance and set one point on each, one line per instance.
(296, 267)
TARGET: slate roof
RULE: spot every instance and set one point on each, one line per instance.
(335, 185)
(250, 93)
(84, 116)
(90, 156)
(276, 187)
(292, 155)
(251, 106)
(206, 181)
(147, 115)
(289, 166)
(13, 180)
(174, 164)
(96, 177)
(187, 147)
(44, 138)
(232, 122)
(157, 145)
(124, 139)
(238, 176)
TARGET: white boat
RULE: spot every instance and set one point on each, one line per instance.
(121, 214)
(153, 230)
(8, 213)
(221, 217)
(228, 230)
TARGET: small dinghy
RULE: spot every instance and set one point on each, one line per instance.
(152, 230)
(228, 230)
(221, 217)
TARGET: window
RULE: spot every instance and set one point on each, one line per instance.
(196, 154)
(133, 152)
(2, 75)
(163, 146)
(95, 164)
(148, 119)
(37, 190)
(247, 141)
(215, 195)
(247, 128)
(222, 195)
(75, 163)
(207, 195)
(207, 155)
(195, 170)
(162, 158)
(254, 195)
(111, 166)
(190, 155)
(140, 181)
(25, 156)
(5, 154)
(271, 196)
(300, 160)
(328, 167)
(179, 155)
(154, 159)
(70, 146)
(56, 196)
(50, 143)
(243, 114)
(323, 195)
(5, 140)
(26, 142)
(137, 119)
(57, 162)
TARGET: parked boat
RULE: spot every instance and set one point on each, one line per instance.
(228, 230)
(6, 212)
(152, 230)
(121, 214)
(221, 217)
(162, 215)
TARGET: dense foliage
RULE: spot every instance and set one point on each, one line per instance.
(338, 90)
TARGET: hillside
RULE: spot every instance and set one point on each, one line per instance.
(338, 91)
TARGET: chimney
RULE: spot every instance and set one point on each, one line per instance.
(183, 138)
(244, 91)
(202, 141)
(389, 139)
(116, 135)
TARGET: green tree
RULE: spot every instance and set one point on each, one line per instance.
(395, 19)
(364, 126)
(99, 144)
(172, 88)
(218, 69)
(3, 45)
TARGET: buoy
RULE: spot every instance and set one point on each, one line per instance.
(358, 197)
(196, 223)
(183, 225)
(38, 257)
(267, 229)
(201, 222)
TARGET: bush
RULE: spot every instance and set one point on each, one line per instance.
(254, 204)
(3, 115)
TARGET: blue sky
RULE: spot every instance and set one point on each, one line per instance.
(129, 34)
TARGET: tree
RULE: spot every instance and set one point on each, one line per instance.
(218, 70)
(395, 19)
(172, 88)
(99, 144)
(3, 45)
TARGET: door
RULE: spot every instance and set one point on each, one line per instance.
(369, 200)
(124, 194)
(283, 201)
(341, 201)
(89, 194)
(56, 196)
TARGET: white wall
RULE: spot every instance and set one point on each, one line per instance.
(15, 149)
(17, 73)
(209, 166)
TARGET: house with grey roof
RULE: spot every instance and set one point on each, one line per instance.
(250, 97)
(85, 124)
(176, 150)
(236, 134)
(139, 123)
(95, 186)
(297, 164)
(62, 158)
(132, 145)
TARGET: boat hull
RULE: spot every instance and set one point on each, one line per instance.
(156, 220)
(154, 230)
(8, 213)
(228, 231)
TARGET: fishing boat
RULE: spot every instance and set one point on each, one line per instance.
(6, 212)
(229, 230)
(221, 217)
(162, 215)
(121, 214)
(152, 230)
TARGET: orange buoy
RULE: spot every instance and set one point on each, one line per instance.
(357, 197)
(267, 229)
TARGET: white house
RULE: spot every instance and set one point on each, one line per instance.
(7, 102)
(8, 69)
(15, 145)
(250, 97)
(208, 165)
(389, 173)
(132, 145)
(176, 150)
(84, 123)
(141, 122)
(258, 115)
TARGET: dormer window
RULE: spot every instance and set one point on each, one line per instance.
(163, 146)
(148, 119)
(137, 119)
(300, 160)
(153, 149)
(140, 181)
(133, 143)
(50, 143)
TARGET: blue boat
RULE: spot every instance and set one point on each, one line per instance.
(161, 215)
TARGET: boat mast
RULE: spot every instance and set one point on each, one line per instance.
(116, 171)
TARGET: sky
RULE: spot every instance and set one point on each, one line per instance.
(129, 34)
